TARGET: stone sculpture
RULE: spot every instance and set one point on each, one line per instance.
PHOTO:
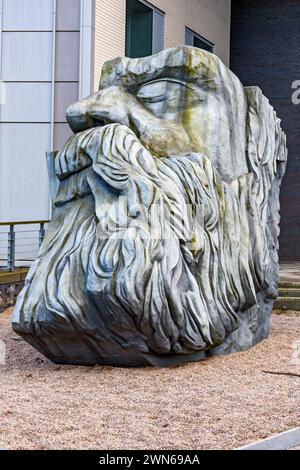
(163, 242)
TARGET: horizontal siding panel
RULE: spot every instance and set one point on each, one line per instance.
(16, 17)
(27, 102)
(26, 56)
(23, 171)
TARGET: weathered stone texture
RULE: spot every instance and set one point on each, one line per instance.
(163, 243)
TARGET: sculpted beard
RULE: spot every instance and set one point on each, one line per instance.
(157, 277)
(163, 242)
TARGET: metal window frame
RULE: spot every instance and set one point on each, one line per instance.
(158, 31)
(154, 8)
(203, 39)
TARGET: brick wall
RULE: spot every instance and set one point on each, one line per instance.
(110, 20)
(265, 38)
(209, 18)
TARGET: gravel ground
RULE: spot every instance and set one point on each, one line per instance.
(221, 403)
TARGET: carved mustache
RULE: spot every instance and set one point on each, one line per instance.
(90, 154)
(73, 158)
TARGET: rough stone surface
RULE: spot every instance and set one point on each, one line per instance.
(9, 294)
(163, 242)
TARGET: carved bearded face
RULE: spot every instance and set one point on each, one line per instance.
(163, 235)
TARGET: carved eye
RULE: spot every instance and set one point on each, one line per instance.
(153, 92)
(166, 96)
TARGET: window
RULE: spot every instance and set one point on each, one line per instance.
(144, 29)
(194, 39)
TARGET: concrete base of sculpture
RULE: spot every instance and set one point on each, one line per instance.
(163, 242)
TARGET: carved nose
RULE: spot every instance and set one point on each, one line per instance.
(104, 107)
(80, 118)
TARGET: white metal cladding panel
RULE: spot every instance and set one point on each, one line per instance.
(67, 56)
(27, 102)
(27, 70)
(26, 57)
(65, 94)
(61, 133)
(68, 15)
(23, 171)
(28, 15)
(31, 102)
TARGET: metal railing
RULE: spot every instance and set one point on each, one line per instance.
(20, 242)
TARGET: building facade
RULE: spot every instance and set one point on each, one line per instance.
(42, 69)
(207, 19)
(265, 38)
(51, 54)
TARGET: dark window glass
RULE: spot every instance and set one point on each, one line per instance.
(139, 24)
(193, 39)
(203, 44)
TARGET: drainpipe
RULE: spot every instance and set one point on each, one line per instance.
(87, 11)
(1, 27)
(52, 96)
(53, 77)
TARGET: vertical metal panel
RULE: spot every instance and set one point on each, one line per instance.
(61, 133)
(23, 172)
(26, 56)
(27, 102)
(27, 15)
(68, 15)
(158, 32)
(11, 249)
(65, 94)
(67, 56)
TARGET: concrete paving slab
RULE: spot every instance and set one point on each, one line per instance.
(289, 272)
(284, 441)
